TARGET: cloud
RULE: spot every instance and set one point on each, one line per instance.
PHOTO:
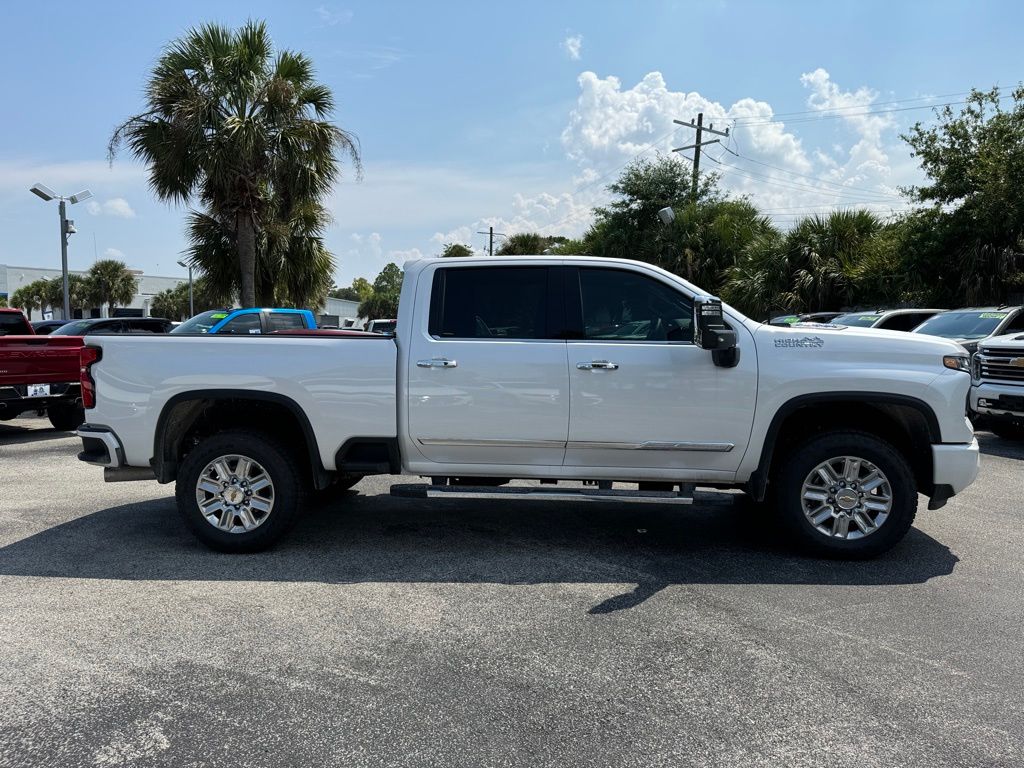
(573, 46)
(115, 206)
(332, 17)
(763, 158)
(367, 61)
(113, 253)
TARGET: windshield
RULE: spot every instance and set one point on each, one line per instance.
(962, 325)
(12, 323)
(74, 328)
(202, 323)
(784, 320)
(858, 319)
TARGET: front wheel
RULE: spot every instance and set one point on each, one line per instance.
(239, 491)
(847, 495)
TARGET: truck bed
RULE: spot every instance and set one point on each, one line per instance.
(347, 382)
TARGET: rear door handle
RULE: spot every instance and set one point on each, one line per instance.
(437, 362)
(599, 364)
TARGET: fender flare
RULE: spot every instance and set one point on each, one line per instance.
(758, 483)
(167, 471)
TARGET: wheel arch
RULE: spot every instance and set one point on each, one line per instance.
(181, 415)
(907, 422)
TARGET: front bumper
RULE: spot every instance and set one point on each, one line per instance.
(1000, 400)
(955, 465)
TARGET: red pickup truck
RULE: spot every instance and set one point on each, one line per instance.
(38, 372)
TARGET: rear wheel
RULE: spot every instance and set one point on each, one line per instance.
(66, 416)
(847, 494)
(1008, 430)
(239, 491)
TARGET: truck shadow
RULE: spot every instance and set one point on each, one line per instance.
(992, 445)
(14, 434)
(385, 539)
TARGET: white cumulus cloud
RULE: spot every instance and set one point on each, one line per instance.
(113, 253)
(115, 206)
(332, 17)
(573, 46)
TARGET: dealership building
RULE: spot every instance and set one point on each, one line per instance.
(13, 277)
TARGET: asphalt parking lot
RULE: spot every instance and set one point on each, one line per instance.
(393, 632)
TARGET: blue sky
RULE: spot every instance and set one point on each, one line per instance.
(514, 114)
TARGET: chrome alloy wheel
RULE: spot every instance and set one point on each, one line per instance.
(847, 498)
(235, 494)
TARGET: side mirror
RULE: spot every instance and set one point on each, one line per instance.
(710, 331)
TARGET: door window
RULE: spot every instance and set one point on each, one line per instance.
(490, 303)
(1015, 325)
(285, 321)
(904, 321)
(242, 325)
(625, 306)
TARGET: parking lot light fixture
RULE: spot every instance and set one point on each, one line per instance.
(191, 307)
(67, 228)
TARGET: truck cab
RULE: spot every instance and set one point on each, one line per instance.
(254, 321)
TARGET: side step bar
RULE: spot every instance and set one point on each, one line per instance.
(423, 491)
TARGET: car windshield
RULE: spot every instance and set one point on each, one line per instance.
(74, 328)
(859, 319)
(203, 322)
(963, 325)
(12, 323)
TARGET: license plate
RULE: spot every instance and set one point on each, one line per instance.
(38, 390)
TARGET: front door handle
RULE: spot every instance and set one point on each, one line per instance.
(437, 362)
(599, 364)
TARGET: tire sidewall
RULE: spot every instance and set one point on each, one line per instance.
(274, 459)
(796, 467)
(65, 417)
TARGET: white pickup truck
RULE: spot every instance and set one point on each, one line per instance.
(997, 393)
(600, 380)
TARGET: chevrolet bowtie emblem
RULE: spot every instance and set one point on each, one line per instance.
(1017, 362)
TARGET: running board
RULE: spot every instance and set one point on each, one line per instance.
(423, 491)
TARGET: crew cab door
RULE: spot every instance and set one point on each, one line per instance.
(486, 369)
(641, 393)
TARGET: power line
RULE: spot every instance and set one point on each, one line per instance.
(852, 114)
(859, 106)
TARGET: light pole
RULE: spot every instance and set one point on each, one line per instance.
(191, 307)
(67, 228)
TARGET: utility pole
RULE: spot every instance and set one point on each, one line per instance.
(698, 144)
(490, 239)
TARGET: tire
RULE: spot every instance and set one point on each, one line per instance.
(66, 417)
(1008, 430)
(857, 510)
(243, 524)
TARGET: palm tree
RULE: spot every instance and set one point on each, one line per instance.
(228, 123)
(110, 282)
(26, 298)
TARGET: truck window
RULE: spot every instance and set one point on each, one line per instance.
(619, 305)
(904, 321)
(243, 325)
(285, 321)
(12, 324)
(490, 303)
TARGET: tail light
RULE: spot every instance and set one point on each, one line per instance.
(86, 357)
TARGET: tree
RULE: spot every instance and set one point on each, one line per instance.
(110, 282)
(230, 124)
(173, 303)
(971, 239)
(3, 302)
(383, 303)
(27, 299)
(528, 244)
(360, 290)
(455, 250)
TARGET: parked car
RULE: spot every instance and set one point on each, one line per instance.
(42, 372)
(381, 326)
(93, 325)
(997, 391)
(969, 326)
(247, 322)
(46, 327)
(844, 425)
(888, 319)
(14, 323)
(808, 317)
